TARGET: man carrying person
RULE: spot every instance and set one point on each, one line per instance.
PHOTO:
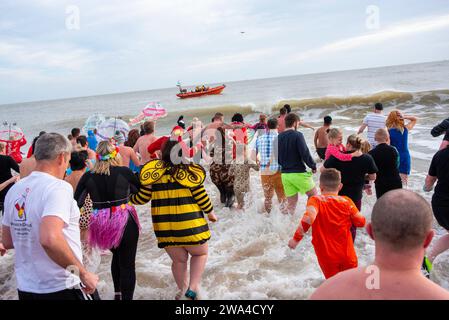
(292, 154)
(401, 227)
(373, 121)
(41, 222)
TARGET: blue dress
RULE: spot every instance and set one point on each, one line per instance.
(399, 140)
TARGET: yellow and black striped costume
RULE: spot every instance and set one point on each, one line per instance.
(178, 203)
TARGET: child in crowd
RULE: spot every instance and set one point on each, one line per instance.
(366, 148)
(331, 217)
(335, 147)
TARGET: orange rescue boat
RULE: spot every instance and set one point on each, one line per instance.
(214, 90)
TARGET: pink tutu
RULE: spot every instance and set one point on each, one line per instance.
(106, 226)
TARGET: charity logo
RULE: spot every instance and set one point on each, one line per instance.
(20, 208)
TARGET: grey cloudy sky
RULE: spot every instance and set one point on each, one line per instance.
(144, 44)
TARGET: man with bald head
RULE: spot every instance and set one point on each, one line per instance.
(386, 158)
(401, 228)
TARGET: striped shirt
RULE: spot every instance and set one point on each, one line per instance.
(264, 148)
(374, 121)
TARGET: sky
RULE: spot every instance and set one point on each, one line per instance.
(51, 49)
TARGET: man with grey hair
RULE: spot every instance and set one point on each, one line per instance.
(41, 222)
(401, 228)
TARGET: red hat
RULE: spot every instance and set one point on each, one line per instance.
(177, 132)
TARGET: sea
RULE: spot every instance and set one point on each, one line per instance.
(248, 253)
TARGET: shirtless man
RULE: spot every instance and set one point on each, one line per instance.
(144, 141)
(401, 227)
(82, 141)
(320, 140)
(127, 153)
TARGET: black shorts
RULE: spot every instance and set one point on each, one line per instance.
(381, 189)
(441, 212)
(68, 294)
(321, 152)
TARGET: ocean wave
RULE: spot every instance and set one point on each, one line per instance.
(388, 98)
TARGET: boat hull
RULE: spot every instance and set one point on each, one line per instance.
(215, 90)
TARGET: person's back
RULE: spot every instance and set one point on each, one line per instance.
(331, 216)
(331, 234)
(293, 152)
(108, 190)
(386, 158)
(401, 227)
(353, 173)
(144, 141)
(128, 154)
(373, 121)
(399, 139)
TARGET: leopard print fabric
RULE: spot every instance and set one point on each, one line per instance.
(86, 212)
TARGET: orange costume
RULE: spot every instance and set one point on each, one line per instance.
(332, 217)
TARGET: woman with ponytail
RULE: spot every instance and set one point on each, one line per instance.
(354, 172)
(114, 224)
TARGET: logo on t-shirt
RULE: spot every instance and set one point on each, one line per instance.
(19, 206)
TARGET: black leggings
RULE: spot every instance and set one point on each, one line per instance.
(123, 266)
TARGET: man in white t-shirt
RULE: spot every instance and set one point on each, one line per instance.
(41, 222)
(373, 121)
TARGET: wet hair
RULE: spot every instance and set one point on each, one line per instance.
(103, 167)
(50, 145)
(148, 127)
(78, 160)
(272, 123)
(394, 121)
(378, 106)
(288, 108)
(75, 132)
(355, 141)
(290, 120)
(82, 141)
(330, 179)
(381, 135)
(401, 219)
(133, 135)
(334, 133)
(327, 120)
(237, 117)
(283, 111)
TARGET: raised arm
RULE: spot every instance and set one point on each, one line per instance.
(412, 121)
(306, 125)
(440, 128)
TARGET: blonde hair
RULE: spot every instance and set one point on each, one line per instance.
(394, 121)
(334, 133)
(103, 166)
(2, 146)
(366, 147)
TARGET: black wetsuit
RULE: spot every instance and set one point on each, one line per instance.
(386, 158)
(105, 192)
(6, 164)
(439, 168)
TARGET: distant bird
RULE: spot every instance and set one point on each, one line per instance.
(242, 32)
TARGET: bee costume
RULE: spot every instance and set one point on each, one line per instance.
(178, 203)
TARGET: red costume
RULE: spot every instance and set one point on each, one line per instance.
(13, 149)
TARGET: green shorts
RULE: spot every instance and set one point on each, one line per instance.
(297, 183)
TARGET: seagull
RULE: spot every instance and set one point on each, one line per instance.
(242, 32)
